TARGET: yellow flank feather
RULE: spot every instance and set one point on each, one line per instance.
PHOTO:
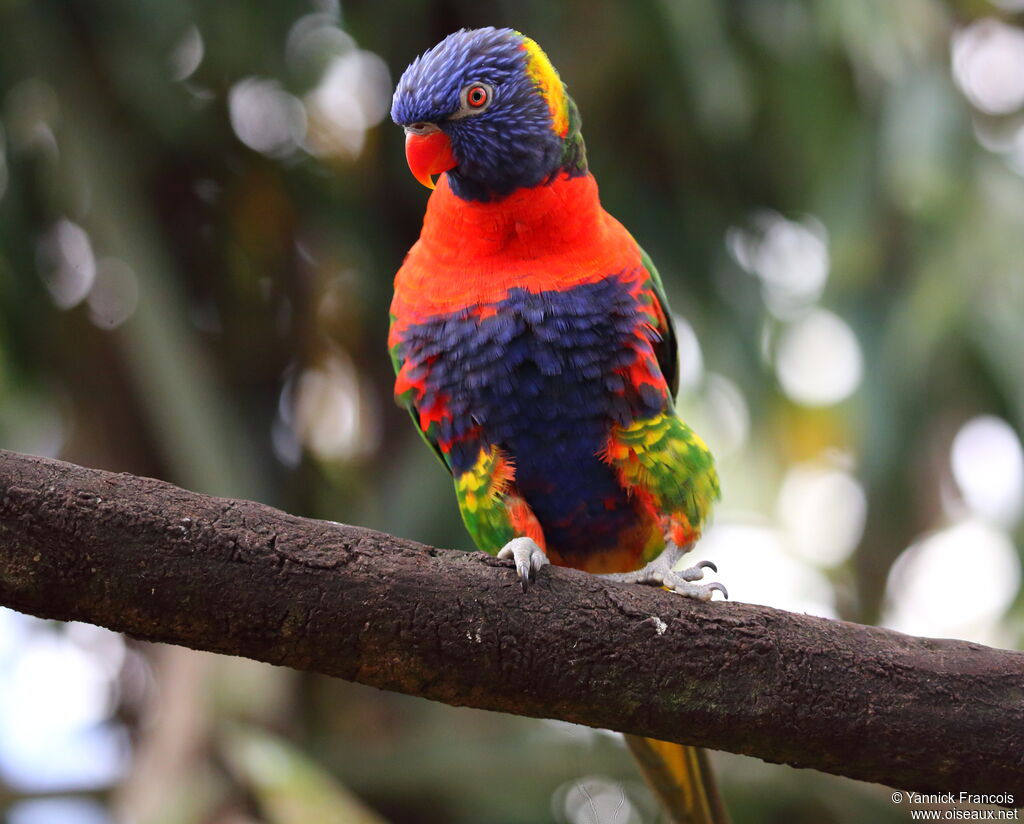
(485, 481)
(546, 77)
(487, 509)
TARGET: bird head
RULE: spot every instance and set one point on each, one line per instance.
(487, 107)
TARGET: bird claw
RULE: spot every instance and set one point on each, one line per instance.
(659, 572)
(528, 557)
(699, 592)
(679, 581)
(694, 573)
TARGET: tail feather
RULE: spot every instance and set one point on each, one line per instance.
(681, 780)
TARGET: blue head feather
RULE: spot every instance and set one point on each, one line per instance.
(510, 145)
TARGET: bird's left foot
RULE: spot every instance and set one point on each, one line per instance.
(529, 558)
(660, 573)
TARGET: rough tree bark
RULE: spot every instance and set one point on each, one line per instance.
(236, 577)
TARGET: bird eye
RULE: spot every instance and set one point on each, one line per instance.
(476, 96)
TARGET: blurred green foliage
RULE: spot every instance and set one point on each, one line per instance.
(197, 237)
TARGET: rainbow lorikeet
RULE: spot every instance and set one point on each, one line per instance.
(531, 336)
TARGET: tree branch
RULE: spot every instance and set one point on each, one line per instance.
(160, 563)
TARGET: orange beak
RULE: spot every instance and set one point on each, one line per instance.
(428, 154)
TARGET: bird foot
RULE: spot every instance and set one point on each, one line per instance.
(529, 558)
(660, 573)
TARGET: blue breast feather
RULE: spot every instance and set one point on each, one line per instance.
(541, 380)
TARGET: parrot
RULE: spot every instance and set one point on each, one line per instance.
(534, 348)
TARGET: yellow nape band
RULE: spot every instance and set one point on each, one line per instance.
(550, 84)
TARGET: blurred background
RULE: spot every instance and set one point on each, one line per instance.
(202, 206)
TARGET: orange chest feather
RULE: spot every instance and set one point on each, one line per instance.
(470, 254)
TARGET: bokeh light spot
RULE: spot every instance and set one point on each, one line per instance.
(114, 293)
(988, 466)
(596, 800)
(954, 583)
(727, 423)
(691, 360)
(187, 55)
(332, 414)
(790, 258)
(353, 95)
(54, 703)
(823, 510)
(314, 40)
(988, 65)
(62, 810)
(265, 117)
(66, 263)
(818, 360)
